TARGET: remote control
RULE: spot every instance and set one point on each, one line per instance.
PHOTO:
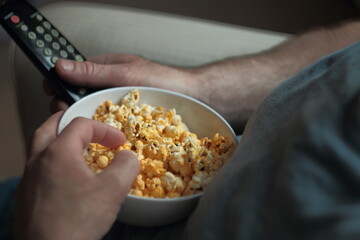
(43, 44)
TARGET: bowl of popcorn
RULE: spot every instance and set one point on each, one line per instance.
(180, 143)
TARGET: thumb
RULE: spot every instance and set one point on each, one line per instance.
(122, 172)
(89, 74)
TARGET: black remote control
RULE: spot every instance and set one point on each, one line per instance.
(42, 43)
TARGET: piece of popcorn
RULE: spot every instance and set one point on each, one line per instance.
(122, 113)
(110, 155)
(136, 192)
(150, 151)
(220, 144)
(176, 162)
(146, 111)
(153, 188)
(131, 99)
(162, 153)
(176, 120)
(172, 131)
(102, 161)
(172, 183)
(139, 183)
(154, 168)
(113, 123)
(157, 113)
(198, 182)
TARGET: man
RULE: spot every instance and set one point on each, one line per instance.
(294, 175)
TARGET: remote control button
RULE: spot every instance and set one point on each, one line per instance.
(82, 91)
(40, 29)
(62, 41)
(48, 37)
(47, 25)
(15, 19)
(55, 45)
(39, 17)
(79, 58)
(55, 33)
(64, 54)
(47, 52)
(32, 35)
(54, 59)
(70, 49)
(24, 28)
(40, 43)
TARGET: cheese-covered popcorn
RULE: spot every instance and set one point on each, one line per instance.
(173, 161)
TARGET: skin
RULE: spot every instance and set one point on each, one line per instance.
(59, 196)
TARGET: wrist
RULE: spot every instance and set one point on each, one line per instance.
(235, 87)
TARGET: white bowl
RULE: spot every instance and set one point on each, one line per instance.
(200, 119)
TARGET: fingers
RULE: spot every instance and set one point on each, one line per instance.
(57, 104)
(84, 71)
(123, 170)
(44, 135)
(80, 132)
(105, 71)
(47, 88)
(87, 73)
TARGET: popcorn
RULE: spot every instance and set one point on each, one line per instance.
(102, 161)
(172, 183)
(173, 161)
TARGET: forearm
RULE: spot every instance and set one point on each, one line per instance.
(236, 86)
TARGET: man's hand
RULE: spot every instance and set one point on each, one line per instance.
(60, 197)
(117, 70)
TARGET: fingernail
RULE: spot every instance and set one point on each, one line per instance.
(67, 65)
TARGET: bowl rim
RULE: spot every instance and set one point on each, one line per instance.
(174, 199)
(181, 95)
